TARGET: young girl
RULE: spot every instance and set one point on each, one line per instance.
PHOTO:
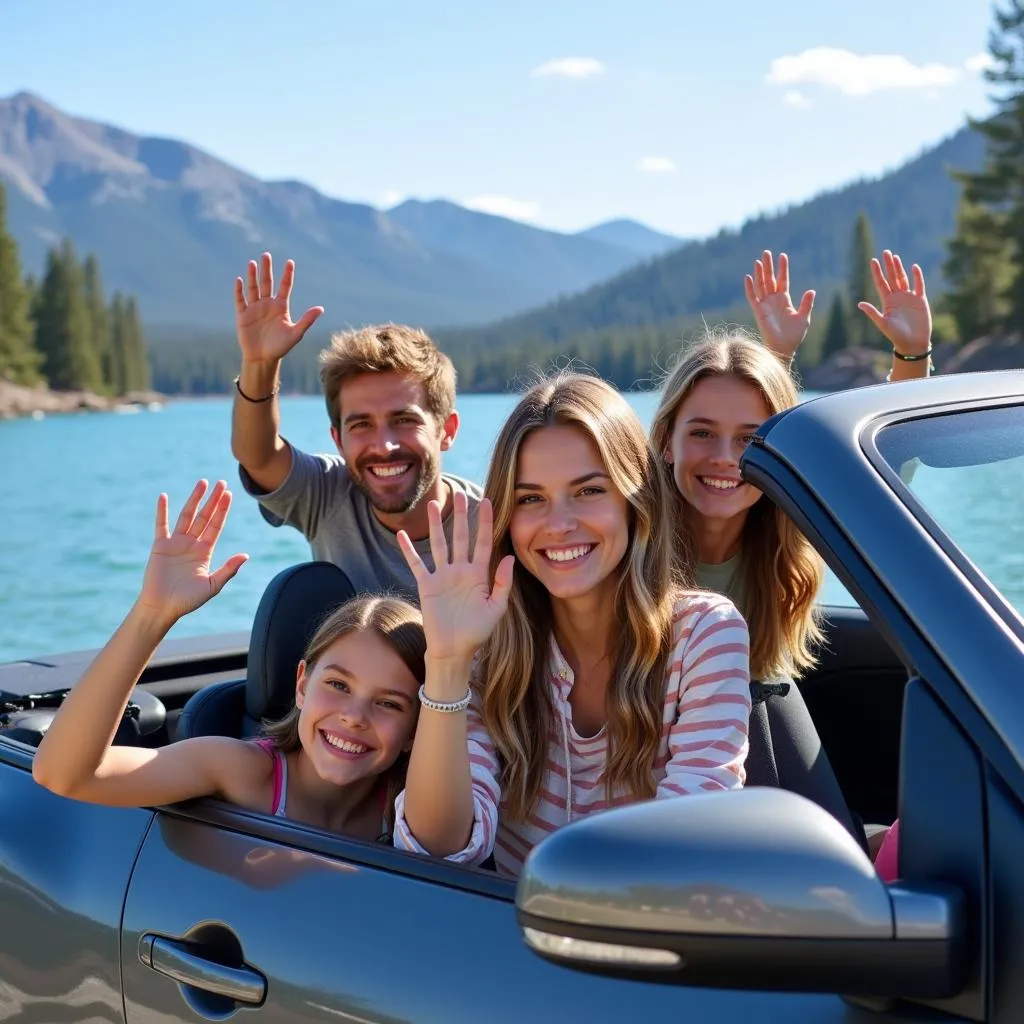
(597, 681)
(716, 397)
(335, 761)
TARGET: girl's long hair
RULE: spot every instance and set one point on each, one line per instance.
(400, 625)
(782, 572)
(511, 677)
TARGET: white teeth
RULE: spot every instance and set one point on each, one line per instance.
(389, 470)
(721, 485)
(349, 748)
(568, 554)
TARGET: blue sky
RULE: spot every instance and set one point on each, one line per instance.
(685, 114)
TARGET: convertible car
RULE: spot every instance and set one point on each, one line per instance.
(757, 904)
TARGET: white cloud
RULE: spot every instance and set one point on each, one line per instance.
(569, 67)
(979, 62)
(858, 75)
(796, 99)
(656, 165)
(391, 198)
(504, 206)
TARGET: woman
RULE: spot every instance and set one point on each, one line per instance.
(714, 400)
(740, 545)
(586, 677)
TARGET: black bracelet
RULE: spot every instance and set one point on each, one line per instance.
(238, 388)
(912, 359)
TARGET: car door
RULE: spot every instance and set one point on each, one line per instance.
(300, 926)
(869, 475)
(64, 871)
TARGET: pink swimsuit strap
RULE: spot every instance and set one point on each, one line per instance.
(277, 805)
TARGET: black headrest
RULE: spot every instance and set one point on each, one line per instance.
(295, 602)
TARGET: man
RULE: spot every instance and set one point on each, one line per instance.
(390, 398)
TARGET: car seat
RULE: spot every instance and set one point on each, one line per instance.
(786, 751)
(294, 604)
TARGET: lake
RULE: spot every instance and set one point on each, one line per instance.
(80, 494)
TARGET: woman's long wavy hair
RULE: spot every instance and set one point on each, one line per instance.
(400, 625)
(782, 573)
(516, 704)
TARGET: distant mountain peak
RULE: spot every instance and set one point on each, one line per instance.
(630, 234)
(171, 223)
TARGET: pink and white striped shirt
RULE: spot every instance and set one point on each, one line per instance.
(704, 740)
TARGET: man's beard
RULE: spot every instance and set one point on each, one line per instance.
(416, 482)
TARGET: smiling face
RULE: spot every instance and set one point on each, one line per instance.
(390, 441)
(358, 708)
(711, 429)
(570, 525)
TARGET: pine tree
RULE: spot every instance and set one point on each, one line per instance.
(19, 358)
(118, 356)
(979, 269)
(99, 326)
(999, 187)
(62, 324)
(836, 335)
(136, 362)
(860, 331)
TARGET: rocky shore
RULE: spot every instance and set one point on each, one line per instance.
(858, 367)
(17, 401)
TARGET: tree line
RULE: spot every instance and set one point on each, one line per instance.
(60, 330)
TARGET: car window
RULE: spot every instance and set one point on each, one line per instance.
(964, 472)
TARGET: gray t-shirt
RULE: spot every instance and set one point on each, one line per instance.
(319, 499)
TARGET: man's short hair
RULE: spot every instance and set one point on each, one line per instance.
(388, 348)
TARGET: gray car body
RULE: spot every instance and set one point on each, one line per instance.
(345, 931)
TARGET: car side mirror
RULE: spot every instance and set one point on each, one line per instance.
(754, 888)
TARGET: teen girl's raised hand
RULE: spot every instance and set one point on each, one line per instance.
(178, 579)
(905, 317)
(782, 326)
(460, 605)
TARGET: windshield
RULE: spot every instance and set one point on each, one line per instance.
(966, 469)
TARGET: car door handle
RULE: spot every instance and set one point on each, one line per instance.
(178, 960)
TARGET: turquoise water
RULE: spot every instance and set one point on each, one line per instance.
(80, 492)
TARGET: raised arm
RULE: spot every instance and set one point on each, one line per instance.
(905, 318)
(782, 326)
(266, 334)
(447, 808)
(76, 757)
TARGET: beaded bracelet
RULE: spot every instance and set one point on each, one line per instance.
(435, 705)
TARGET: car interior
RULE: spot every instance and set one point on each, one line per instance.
(835, 738)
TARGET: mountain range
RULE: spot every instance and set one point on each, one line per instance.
(174, 225)
(912, 210)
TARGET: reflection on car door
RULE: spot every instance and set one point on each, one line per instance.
(64, 870)
(307, 937)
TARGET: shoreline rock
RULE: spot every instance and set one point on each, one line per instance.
(17, 401)
(859, 367)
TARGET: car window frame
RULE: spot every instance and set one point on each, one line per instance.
(868, 441)
(284, 831)
(909, 644)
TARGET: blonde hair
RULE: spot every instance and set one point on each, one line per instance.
(388, 348)
(511, 677)
(397, 622)
(781, 571)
